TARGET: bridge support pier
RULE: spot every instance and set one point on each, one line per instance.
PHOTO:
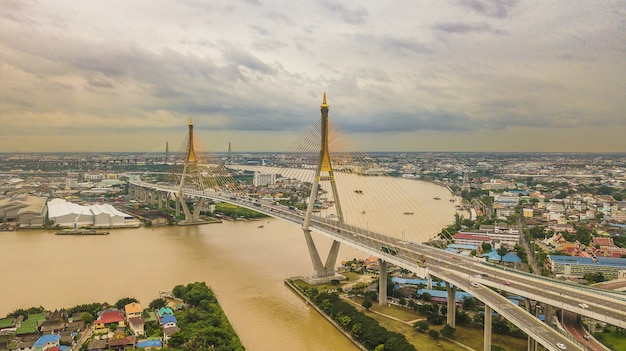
(177, 198)
(183, 205)
(451, 289)
(532, 307)
(382, 282)
(197, 209)
(327, 270)
(161, 196)
(429, 281)
(152, 197)
(487, 329)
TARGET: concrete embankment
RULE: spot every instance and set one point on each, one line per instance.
(290, 284)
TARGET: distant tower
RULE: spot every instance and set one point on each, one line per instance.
(230, 154)
(466, 184)
(167, 151)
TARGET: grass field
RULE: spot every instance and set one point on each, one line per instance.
(470, 336)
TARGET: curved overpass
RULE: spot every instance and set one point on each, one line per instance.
(605, 306)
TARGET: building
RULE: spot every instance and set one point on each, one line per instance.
(473, 239)
(136, 325)
(27, 210)
(577, 267)
(46, 342)
(263, 179)
(133, 309)
(106, 318)
(70, 215)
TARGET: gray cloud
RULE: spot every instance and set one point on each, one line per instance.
(356, 15)
(253, 67)
(491, 8)
(466, 28)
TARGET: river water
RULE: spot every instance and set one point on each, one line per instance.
(245, 266)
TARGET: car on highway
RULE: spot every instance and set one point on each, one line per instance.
(506, 282)
(561, 346)
(389, 250)
(583, 305)
(474, 285)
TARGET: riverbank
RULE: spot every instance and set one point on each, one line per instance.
(294, 288)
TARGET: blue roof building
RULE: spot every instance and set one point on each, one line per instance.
(149, 343)
(168, 319)
(47, 341)
(510, 257)
(575, 266)
(405, 281)
(443, 295)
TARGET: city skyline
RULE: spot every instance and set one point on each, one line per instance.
(465, 75)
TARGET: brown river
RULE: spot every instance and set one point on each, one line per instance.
(245, 265)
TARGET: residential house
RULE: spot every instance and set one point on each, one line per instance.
(122, 344)
(52, 327)
(133, 310)
(168, 321)
(150, 344)
(169, 331)
(106, 318)
(46, 342)
(7, 323)
(165, 311)
(136, 325)
(25, 345)
(97, 345)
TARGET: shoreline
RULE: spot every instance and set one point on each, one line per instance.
(290, 284)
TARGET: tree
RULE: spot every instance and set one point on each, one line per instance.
(469, 303)
(157, 303)
(367, 304)
(426, 297)
(125, 301)
(370, 295)
(345, 321)
(421, 325)
(87, 318)
(448, 331)
(402, 301)
(486, 247)
(380, 347)
(502, 251)
(433, 334)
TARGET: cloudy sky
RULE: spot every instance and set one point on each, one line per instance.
(455, 75)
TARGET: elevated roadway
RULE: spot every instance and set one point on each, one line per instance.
(468, 274)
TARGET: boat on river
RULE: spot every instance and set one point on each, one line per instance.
(82, 232)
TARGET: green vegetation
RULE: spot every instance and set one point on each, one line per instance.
(124, 301)
(363, 328)
(234, 211)
(204, 325)
(614, 338)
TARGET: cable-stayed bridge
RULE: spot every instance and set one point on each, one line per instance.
(202, 178)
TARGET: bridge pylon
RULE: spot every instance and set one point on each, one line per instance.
(323, 172)
(191, 171)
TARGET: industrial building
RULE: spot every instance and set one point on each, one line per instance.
(70, 215)
(27, 210)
